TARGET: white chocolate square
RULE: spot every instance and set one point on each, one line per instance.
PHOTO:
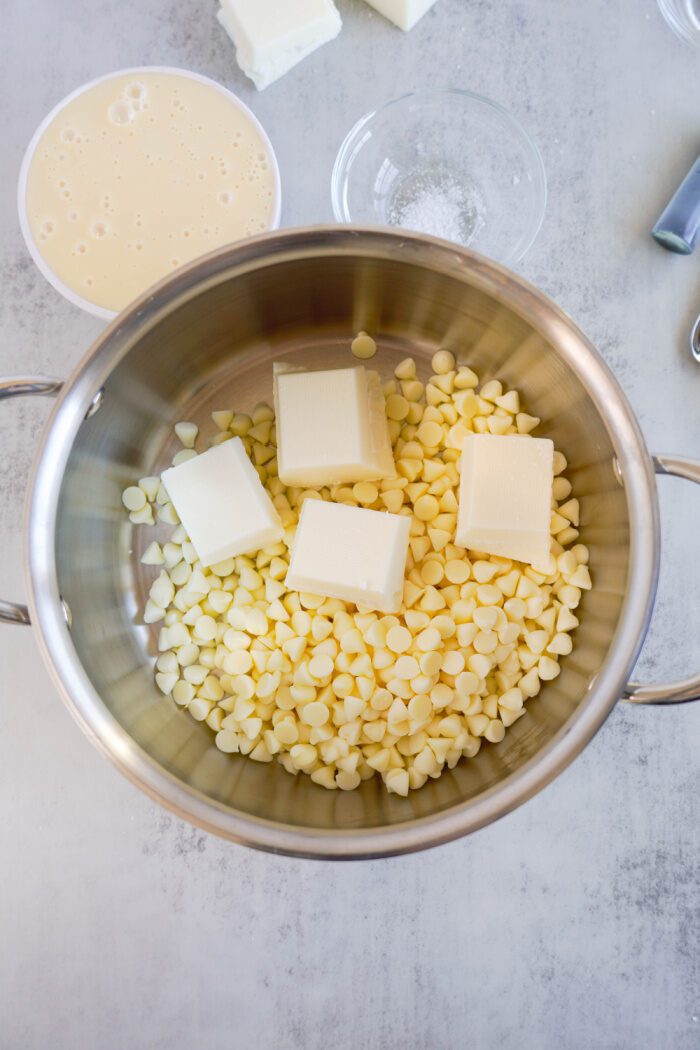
(271, 36)
(403, 13)
(331, 427)
(505, 496)
(222, 503)
(350, 553)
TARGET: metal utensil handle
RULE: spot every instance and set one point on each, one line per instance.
(695, 340)
(24, 386)
(685, 689)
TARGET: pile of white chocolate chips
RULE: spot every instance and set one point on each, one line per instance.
(341, 693)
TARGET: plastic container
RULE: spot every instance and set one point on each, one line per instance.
(448, 163)
(68, 293)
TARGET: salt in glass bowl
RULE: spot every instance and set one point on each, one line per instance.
(447, 163)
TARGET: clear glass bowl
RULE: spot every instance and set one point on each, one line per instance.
(683, 16)
(448, 163)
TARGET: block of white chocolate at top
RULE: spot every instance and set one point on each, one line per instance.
(271, 36)
(403, 13)
(331, 426)
(350, 553)
(505, 496)
(222, 503)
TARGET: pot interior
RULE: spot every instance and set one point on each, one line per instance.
(212, 346)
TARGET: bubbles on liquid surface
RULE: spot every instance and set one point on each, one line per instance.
(99, 229)
(136, 90)
(80, 248)
(121, 112)
(69, 135)
(225, 198)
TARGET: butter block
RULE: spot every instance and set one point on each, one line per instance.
(350, 553)
(222, 503)
(403, 13)
(505, 496)
(331, 426)
(271, 36)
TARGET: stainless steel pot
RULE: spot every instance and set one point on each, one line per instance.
(207, 337)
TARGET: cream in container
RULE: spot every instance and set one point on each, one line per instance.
(137, 173)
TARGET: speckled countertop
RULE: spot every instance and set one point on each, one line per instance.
(573, 923)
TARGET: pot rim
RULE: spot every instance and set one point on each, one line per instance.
(105, 731)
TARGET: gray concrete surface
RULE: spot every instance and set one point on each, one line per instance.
(572, 924)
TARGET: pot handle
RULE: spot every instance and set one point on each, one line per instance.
(24, 386)
(685, 689)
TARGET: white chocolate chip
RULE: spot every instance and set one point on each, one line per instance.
(363, 346)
